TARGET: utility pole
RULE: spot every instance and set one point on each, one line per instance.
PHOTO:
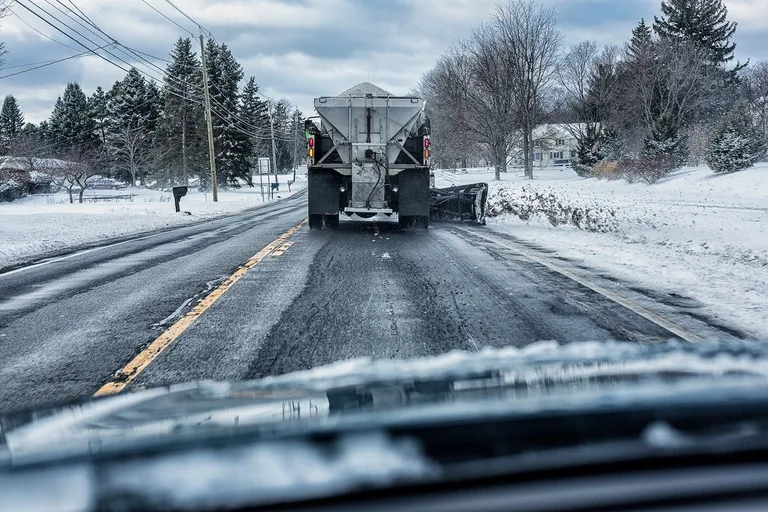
(211, 152)
(274, 146)
(296, 144)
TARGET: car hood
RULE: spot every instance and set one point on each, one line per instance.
(364, 394)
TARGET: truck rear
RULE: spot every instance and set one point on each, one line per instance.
(368, 155)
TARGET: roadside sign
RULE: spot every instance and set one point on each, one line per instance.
(264, 165)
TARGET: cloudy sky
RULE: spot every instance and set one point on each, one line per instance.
(299, 49)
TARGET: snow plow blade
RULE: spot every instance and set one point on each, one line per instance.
(464, 203)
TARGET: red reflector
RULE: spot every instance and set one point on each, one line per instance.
(311, 142)
(426, 143)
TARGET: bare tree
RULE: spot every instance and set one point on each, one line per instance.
(472, 96)
(755, 85)
(30, 151)
(682, 81)
(529, 42)
(80, 170)
(574, 73)
(4, 11)
(131, 145)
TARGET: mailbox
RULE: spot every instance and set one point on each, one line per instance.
(178, 193)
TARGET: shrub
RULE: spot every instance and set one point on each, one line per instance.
(736, 144)
(11, 190)
(582, 170)
(607, 169)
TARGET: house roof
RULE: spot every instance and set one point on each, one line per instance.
(15, 163)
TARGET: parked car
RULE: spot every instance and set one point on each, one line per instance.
(108, 184)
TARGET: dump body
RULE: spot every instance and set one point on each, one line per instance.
(368, 155)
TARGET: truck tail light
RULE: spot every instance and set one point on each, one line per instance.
(427, 145)
(311, 150)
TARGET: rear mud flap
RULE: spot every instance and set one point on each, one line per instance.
(464, 203)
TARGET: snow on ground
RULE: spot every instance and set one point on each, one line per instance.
(42, 224)
(694, 234)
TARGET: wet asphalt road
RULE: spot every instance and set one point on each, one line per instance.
(366, 290)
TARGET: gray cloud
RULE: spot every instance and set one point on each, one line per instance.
(300, 49)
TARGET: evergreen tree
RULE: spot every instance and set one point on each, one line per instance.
(181, 147)
(11, 118)
(230, 140)
(97, 107)
(71, 128)
(283, 122)
(736, 144)
(298, 137)
(640, 47)
(702, 22)
(665, 148)
(254, 116)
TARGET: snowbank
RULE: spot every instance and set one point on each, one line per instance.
(42, 224)
(693, 234)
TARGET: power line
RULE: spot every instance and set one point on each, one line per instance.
(167, 18)
(19, 2)
(81, 19)
(41, 33)
(166, 77)
(43, 65)
(199, 26)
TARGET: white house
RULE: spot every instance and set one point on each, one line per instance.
(554, 145)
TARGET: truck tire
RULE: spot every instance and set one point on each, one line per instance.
(405, 221)
(315, 221)
(332, 221)
(422, 222)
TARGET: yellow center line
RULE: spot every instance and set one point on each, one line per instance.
(132, 370)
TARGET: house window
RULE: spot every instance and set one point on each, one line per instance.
(573, 153)
(537, 157)
(556, 155)
(560, 142)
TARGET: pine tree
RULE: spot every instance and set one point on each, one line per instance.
(736, 144)
(11, 118)
(281, 117)
(180, 147)
(702, 22)
(97, 107)
(254, 116)
(230, 140)
(71, 128)
(640, 47)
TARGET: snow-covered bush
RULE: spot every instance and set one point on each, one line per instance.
(527, 204)
(582, 170)
(41, 183)
(14, 184)
(735, 145)
(648, 168)
(11, 190)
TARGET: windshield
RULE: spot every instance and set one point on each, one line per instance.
(229, 191)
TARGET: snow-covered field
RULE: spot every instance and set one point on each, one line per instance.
(694, 234)
(43, 224)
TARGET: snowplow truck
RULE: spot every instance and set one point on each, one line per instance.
(368, 154)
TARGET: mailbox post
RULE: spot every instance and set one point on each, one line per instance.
(178, 193)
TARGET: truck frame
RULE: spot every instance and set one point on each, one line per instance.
(369, 155)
